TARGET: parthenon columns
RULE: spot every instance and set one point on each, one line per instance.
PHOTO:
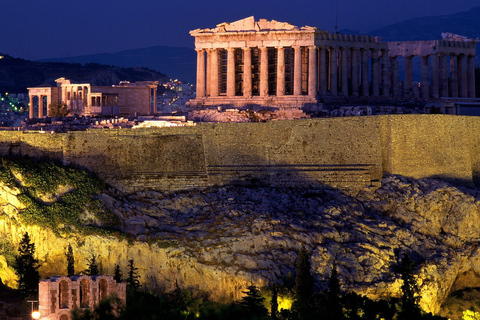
(471, 76)
(297, 74)
(280, 71)
(385, 74)
(462, 76)
(424, 77)
(453, 76)
(375, 75)
(344, 69)
(312, 71)
(395, 76)
(214, 73)
(333, 71)
(247, 72)
(200, 73)
(407, 84)
(354, 72)
(264, 72)
(443, 81)
(323, 70)
(365, 82)
(30, 110)
(435, 75)
(230, 72)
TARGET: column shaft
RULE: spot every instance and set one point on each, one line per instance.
(434, 75)
(471, 76)
(443, 61)
(385, 74)
(323, 71)
(395, 76)
(407, 83)
(247, 72)
(453, 76)
(280, 71)
(375, 76)
(425, 90)
(354, 72)
(40, 107)
(297, 74)
(365, 75)
(333, 71)
(312, 71)
(263, 71)
(343, 52)
(200, 73)
(30, 109)
(462, 76)
(230, 72)
(208, 72)
(214, 74)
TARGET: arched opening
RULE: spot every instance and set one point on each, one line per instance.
(63, 294)
(63, 317)
(103, 289)
(84, 293)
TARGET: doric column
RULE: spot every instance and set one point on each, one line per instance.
(425, 90)
(385, 73)
(471, 76)
(365, 76)
(200, 73)
(333, 71)
(323, 70)
(344, 65)
(214, 74)
(443, 74)
(263, 71)
(209, 72)
(354, 72)
(375, 66)
(30, 109)
(230, 72)
(40, 107)
(49, 101)
(462, 76)
(434, 75)
(247, 72)
(453, 76)
(312, 71)
(395, 76)
(155, 106)
(280, 71)
(408, 82)
(297, 74)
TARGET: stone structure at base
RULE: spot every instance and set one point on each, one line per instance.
(125, 99)
(58, 296)
(250, 62)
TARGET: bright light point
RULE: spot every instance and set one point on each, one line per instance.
(285, 303)
(36, 314)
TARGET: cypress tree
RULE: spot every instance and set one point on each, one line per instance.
(92, 267)
(274, 304)
(132, 280)
(118, 274)
(70, 261)
(409, 302)
(27, 267)
(252, 303)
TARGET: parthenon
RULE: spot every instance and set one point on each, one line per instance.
(269, 62)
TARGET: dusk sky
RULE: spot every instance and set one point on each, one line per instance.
(33, 29)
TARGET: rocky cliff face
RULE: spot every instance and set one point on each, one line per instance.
(218, 240)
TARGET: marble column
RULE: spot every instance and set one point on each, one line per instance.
(385, 74)
(425, 88)
(40, 107)
(354, 72)
(333, 71)
(200, 73)
(323, 70)
(312, 71)
(297, 74)
(230, 72)
(434, 75)
(247, 72)
(263, 71)
(214, 74)
(462, 76)
(395, 76)
(365, 75)
(453, 76)
(344, 66)
(443, 62)
(375, 76)
(408, 82)
(471, 76)
(155, 105)
(30, 109)
(208, 72)
(280, 71)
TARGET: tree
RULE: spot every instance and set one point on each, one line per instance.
(132, 280)
(57, 109)
(252, 303)
(92, 267)
(274, 304)
(27, 267)
(409, 302)
(333, 295)
(303, 305)
(70, 261)
(118, 274)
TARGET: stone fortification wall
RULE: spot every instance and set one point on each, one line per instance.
(341, 152)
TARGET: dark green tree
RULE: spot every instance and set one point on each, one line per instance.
(410, 309)
(118, 274)
(274, 304)
(333, 295)
(57, 109)
(132, 280)
(27, 267)
(92, 267)
(70, 261)
(252, 303)
(302, 306)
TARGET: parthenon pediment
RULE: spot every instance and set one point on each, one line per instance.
(249, 24)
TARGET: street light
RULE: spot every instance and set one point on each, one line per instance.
(36, 314)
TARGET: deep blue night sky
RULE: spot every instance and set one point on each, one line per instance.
(33, 29)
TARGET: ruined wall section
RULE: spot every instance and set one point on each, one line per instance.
(340, 152)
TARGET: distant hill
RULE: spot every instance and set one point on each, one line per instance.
(176, 62)
(465, 23)
(16, 75)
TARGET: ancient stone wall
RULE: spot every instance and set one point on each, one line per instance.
(341, 152)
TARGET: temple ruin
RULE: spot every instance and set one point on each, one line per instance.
(58, 296)
(250, 62)
(125, 99)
